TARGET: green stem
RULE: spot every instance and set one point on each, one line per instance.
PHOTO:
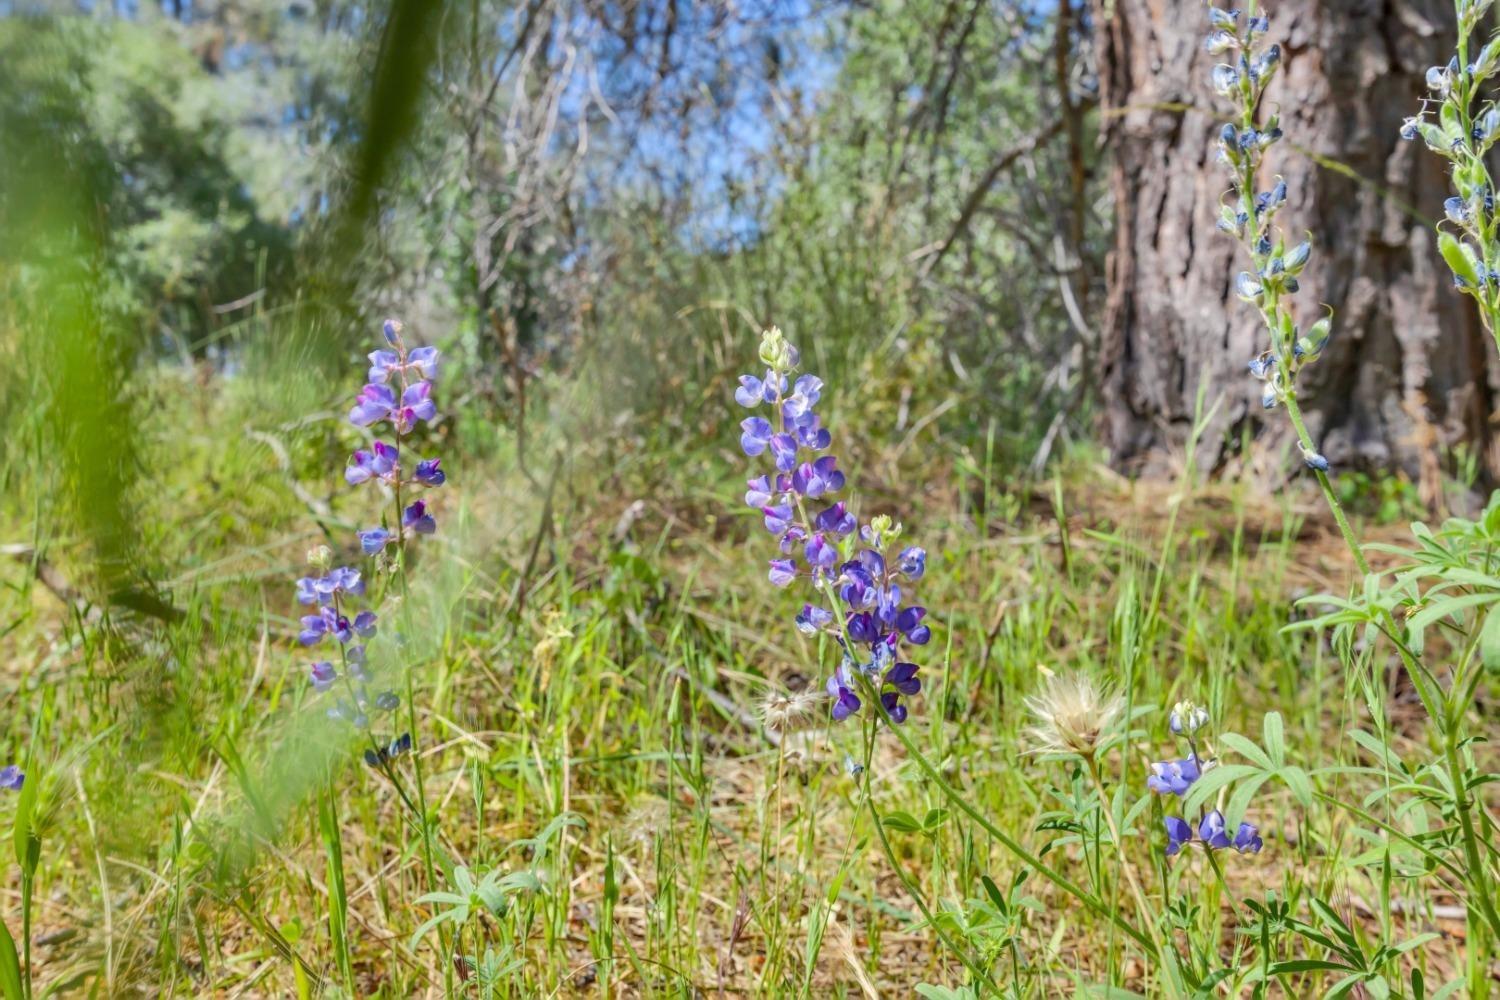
(1294, 413)
(27, 883)
(1011, 844)
(411, 708)
(1114, 833)
(980, 975)
(1478, 871)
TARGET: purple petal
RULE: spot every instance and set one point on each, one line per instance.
(783, 572)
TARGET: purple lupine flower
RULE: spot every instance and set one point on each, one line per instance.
(759, 493)
(376, 757)
(858, 589)
(861, 627)
(377, 463)
(399, 390)
(307, 590)
(821, 554)
(805, 394)
(903, 677)
(364, 624)
(809, 478)
(1247, 839)
(812, 619)
(373, 540)
(783, 572)
(416, 406)
(325, 622)
(809, 432)
(416, 520)
(1211, 830)
(891, 702)
(345, 580)
(835, 520)
(12, 777)
(841, 689)
(1173, 777)
(1187, 718)
(778, 517)
(784, 451)
(791, 538)
(912, 562)
(373, 404)
(751, 391)
(909, 624)
(1179, 834)
(755, 435)
(323, 589)
(425, 361)
(314, 627)
(383, 364)
(323, 675)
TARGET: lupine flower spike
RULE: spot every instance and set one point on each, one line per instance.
(1176, 777)
(1249, 216)
(858, 578)
(1463, 130)
(398, 393)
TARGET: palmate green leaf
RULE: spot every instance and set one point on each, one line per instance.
(1416, 942)
(902, 822)
(1372, 744)
(1239, 801)
(1465, 576)
(1447, 607)
(993, 891)
(1245, 748)
(521, 881)
(1298, 781)
(1275, 736)
(450, 898)
(1207, 786)
(435, 921)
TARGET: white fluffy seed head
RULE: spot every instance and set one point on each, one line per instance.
(1072, 715)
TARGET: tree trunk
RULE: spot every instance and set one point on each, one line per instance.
(1408, 371)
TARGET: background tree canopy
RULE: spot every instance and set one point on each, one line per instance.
(572, 173)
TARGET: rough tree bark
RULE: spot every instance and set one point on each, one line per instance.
(1409, 370)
